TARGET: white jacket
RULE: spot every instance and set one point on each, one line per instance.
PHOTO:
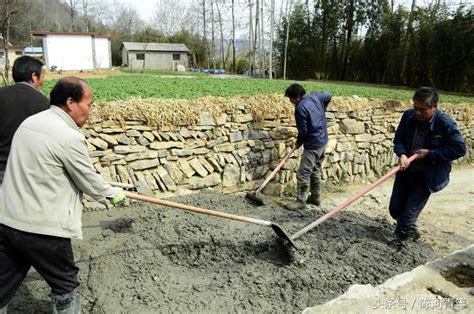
(47, 171)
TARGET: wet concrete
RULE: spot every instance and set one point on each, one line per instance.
(152, 258)
(440, 286)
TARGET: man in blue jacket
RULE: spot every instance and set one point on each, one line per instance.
(435, 138)
(310, 117)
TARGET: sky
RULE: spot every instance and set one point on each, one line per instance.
(144, 8)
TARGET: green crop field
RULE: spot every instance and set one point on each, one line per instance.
(196, 86)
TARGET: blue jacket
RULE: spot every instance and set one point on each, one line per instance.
(310, 117)
(444, 142)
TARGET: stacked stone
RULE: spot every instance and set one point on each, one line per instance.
(228, 153)
(360, 142)
(231, 153)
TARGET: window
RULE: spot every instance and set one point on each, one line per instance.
(176, 56)
(19, 53)
(140, 56)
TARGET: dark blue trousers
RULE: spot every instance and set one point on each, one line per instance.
(409, 196)
(52, 257)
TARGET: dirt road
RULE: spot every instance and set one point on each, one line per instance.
(150, 258)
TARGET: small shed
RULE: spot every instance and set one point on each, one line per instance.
(136, 55)
(76, 51)
(14, 52)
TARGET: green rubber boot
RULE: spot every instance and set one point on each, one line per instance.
(315, 189)
(301, 191)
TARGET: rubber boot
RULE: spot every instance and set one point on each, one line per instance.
(404, 235)
(301, 191)
(413, 234)
(69, 303)
(315, 189)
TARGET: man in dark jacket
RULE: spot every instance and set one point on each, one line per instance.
(19, 101)
(310, 116)
(435, 138)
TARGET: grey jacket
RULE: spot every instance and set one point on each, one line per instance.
(47, 171)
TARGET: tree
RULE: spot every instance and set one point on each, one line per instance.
(287, 37)
(147, 36)
(213, 43)
(73, 13)
(124, 26)
(255, 37)
(348, 39)
(169, 16)
(407, 42)
(10, 9)
(222, 52)
(234, 66)
(85, 15)
(195, 43)
(251, 44)
(262, 42)
(204, 32)
(272, 21)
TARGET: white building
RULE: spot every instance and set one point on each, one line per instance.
(75, 51)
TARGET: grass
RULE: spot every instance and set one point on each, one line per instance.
(161, 85)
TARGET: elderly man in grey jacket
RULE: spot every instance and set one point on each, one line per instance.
(40, 204)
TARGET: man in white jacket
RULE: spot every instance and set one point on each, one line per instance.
(47, 171)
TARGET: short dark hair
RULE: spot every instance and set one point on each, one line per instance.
(427, 95)
(295, 91)
(24, 67)
(67, 87)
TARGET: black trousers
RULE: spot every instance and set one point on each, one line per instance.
(3, 165)
(409, 196)
(52, 257)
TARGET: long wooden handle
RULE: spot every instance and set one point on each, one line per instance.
(121, 185)
(282, 162)
(199, 210)
(349, 201)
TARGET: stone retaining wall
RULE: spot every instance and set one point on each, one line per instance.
(231, 153)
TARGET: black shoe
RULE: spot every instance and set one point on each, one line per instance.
(413, 234)
(313, 200)
(397, 243)
(400, 235)
(298, 205)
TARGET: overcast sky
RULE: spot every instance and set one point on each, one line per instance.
(144, 8)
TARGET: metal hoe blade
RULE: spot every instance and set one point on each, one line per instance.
(255, 197)
(282, 234)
